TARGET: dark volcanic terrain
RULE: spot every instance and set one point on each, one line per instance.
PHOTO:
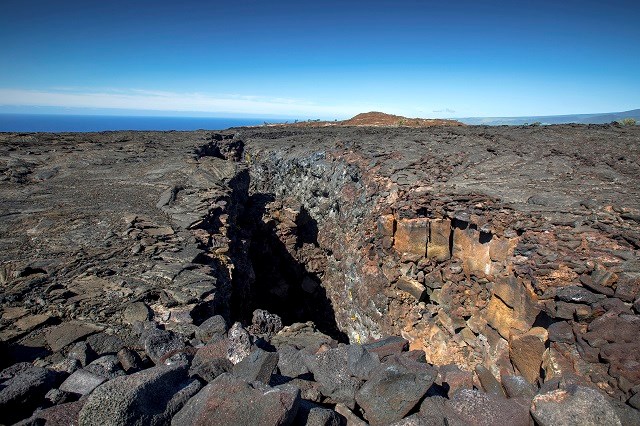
(334, 275)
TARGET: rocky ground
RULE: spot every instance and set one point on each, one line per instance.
(324, 276)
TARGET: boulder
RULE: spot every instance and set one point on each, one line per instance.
(302, 335)
(575, 404)
(82, 382)
(64, 334)
(476, 408)
(213, 328)
(330, 369)
(239, 343)
(258, 366)
(394, 388)
(265, 324)
(107, 366)
(229, 400)
(21, 394)
(148, 397)
(291, 362)
(158, 343)
(387, 346)
(209, 369)
(525, 352)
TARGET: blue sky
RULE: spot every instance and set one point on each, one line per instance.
(320, 59)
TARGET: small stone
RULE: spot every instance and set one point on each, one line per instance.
(239, 343)
(137, 311)
(129, 360)
(82, 352)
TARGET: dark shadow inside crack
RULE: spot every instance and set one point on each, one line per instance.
(280, 281)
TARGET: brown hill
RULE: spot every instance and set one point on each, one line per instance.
(377, 119)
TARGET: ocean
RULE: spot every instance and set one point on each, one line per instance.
(99, 123)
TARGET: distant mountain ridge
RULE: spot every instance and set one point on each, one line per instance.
(599, 118)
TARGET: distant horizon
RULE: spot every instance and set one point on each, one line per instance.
(322, 60)
(195, 114)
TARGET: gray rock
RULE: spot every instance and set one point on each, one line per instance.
(561, 332)
(265, 324)
(516, 386)
(258, 366)
(24, 392)
(64, 334)
(105, 344)
(361, 363)
(311, 414)
(160, 342)
(82, 352)
(576, 294)
(478, 408)
(571, 405)
(137, 311)
(387, 346)
(106, 366)
(213, 328)
(394, 388)
(129, 360)
(209, 369)
(224, 401)
(239, 343)
(330, 369)
(149, 397)
(291, 362)
(82, 382)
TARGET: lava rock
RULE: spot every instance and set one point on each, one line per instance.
(575, 403)
(387, 346)
(330, 369)
(64, 334)
(360, 362)
(24, 392)
(518, 386)
(210, 369)
(160, 342)
(258, 366)
(224, 401)
(239, 343)
(561, 332)
(265, 324)
(212, 329)
(478, 408)
(525, 352)
(150, 396)
(137, 311)
(129, 360)
(576, 294)
(82, 352)
(488, 381)
(291, 362)
(107, 366)
(82, 382)
(394, 388)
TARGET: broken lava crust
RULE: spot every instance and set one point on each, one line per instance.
(323, 276)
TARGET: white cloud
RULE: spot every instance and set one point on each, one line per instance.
(136, 99)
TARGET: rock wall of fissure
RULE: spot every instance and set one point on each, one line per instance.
(462, 277)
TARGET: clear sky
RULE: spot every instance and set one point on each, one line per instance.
(321, 59)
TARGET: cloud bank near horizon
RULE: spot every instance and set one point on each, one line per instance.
(166, 101)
